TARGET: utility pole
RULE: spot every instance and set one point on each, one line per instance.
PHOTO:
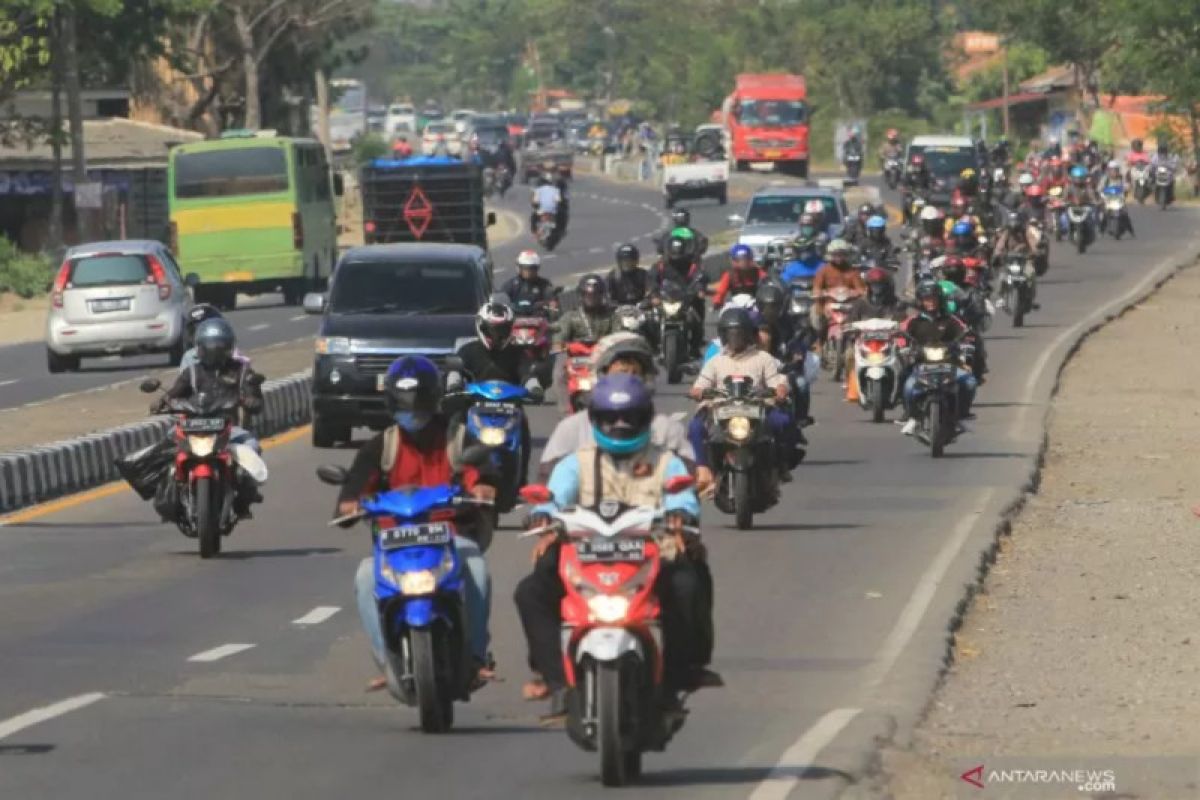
(1004, 71)
(55, 233)
(70, 50)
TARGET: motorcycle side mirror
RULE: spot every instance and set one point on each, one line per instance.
(452, 364)
(150, 385)
(680, 483)
(735, 219)
(257, 379)
(491, 218)
(332, 474)
(535, 494)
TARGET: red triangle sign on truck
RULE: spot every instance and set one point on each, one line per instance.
(418, 212)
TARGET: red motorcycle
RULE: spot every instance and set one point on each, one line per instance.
(531, 333)
(612, 652)
(837, 311)
(580, 377)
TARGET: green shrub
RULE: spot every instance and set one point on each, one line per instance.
(21, 273)
(369, 147)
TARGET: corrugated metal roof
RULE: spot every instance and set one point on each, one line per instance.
(107, 142)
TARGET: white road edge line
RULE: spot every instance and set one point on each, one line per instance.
(786, 774)
(317, 615)
(217, 653)
(30, 718)
(298, 317)
(10, 382)
(918, 603)
(262, 326)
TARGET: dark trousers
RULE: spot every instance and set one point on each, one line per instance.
(685, 593)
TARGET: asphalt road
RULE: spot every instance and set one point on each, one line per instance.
(831, 616)
(604, 214)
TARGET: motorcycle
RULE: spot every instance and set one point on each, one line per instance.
(1139, 174)
(631, 319)
(612, 640)
(891, 172)
(1035, 232)
(837, 311)
(674, 332)
(580, 377)
(547, 231)
(1017, 288)
(1164, 186)
(1056, 211)
(504, 180)
(489, 181)
(1115, 218)
(494, 420)
(531, 333)
(1082, 226)
(877, 365)
(937, 385)
(419, 594)
(853, 163)
(741, 450)
(198, 495)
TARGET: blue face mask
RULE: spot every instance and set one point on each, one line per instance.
(620, 447)
(412, 421)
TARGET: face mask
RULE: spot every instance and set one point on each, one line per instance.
(412, 421)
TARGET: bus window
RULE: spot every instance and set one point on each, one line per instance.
(227, 173)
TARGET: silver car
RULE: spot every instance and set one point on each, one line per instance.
(120, 297)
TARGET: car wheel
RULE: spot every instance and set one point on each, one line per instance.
(56, 363)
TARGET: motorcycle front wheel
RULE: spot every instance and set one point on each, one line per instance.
(673, 356)
(934, 424)
(208, 528)
(620, 761)
(878, 401)
(434, 704)
(1019, 306)
(742, 510)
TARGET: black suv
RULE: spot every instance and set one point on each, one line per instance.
(386, 301)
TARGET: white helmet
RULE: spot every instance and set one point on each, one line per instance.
(929, 214)
(528, 258)
(494, 324)
(1026, 179)
(1114, 164)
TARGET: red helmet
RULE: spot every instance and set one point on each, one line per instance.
(1035, 190)
(877, 275)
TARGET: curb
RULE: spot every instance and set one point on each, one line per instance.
(36, 474)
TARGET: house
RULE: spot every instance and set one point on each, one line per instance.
(1043, 107)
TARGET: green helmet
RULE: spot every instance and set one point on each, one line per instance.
(950, 290)
(683, 233)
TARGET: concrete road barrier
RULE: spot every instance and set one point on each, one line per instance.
(37, 474)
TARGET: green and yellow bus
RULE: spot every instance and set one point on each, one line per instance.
(252, 213)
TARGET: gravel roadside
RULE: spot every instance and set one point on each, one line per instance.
(1081, 650)
(71, 415)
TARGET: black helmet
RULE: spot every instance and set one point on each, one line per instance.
(197, 314)
(1136, 144)
(880, 286)
(681, 218)
(215, 341)
(866, 211)
(627, 257)
(954, 270)
(1162, 147)
(680, 249)
(593, 293)
(412, 389)
(736, 322)
(494, 324)
(930, 288)
(769, 299)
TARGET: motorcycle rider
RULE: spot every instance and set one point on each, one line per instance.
(196, 315)
(935, 326)
(801, 261)
(741, 355)
(779, 335)
(682, 218)
(892, 148)
(507, 159)
(1113, 177)
(546, 200)
(528, 286)
(856, 227)
(877, 246)
(968, 302)
(622, 464)
(851, 147)
(592, 320)
(837, 273)
(916, 183)
(1080, 192)
(219, 370)
(880, 301)
(742, 277)
(417, 450)
(680, 264)
(1165, 158)
(628, 283)
(1137, 156)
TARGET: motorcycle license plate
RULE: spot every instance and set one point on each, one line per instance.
(731, 411)
(423, 535)
(203, 425)
(591, 551)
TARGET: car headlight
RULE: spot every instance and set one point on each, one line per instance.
(608, 607)
(935, 353)
(332, 345)
(202, 446)
(672, 307)
(421, 581)
(739, 428)
(585, 384)
(491, 436)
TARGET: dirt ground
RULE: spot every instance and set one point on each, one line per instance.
(22, 320)
(105, 407)
(1083, 649)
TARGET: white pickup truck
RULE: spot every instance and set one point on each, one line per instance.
(695, 179)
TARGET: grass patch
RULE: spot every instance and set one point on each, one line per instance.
(23, 274)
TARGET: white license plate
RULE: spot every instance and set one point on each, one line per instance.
(424, 535)
(117, 304)
(379, 381)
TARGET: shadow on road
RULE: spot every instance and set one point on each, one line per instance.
(732, 776)
(85, 525)
(25, 749)
(952, 454)
(791, 527)
(247, 555)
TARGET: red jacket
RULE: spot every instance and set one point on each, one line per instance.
(415, 466)
(737, 282)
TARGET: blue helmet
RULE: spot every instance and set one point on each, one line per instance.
(740, 251)
(620, 412)
(412, 388)
(1079, 172)
(962, 228)
(876, 223)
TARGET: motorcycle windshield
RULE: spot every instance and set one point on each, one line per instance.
(497, 391)
(409, 502)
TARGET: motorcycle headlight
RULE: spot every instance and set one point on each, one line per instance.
(608, 607)
(672, 307)
(1114, 205)
(417, 582)
(585, 384)
(202, 446)
(492, 437)
(738, 428)
(332, 345)
(1016, 268)
(935, 353)
(875, 358)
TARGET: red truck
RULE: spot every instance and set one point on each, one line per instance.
(766, 118)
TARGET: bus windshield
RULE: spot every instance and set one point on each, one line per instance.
(772, 113)
(232, 172)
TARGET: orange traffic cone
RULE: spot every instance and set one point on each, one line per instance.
(851, 381)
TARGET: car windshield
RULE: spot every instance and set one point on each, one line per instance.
(491, 136)
(230, 172)
(772, 113)
(544, 133)
(947, 160)
(786, 209)
(405, 287)
(439, 127)
(107, 270)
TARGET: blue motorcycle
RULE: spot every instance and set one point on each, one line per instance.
(495, 419)
(419, 584)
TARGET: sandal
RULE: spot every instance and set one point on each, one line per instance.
(376, 684)
(535, 689)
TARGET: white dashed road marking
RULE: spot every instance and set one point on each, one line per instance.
(217, 653)
(317, 615)
(298, 317)
(30, 718)
(10, 382)
(262, 326)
